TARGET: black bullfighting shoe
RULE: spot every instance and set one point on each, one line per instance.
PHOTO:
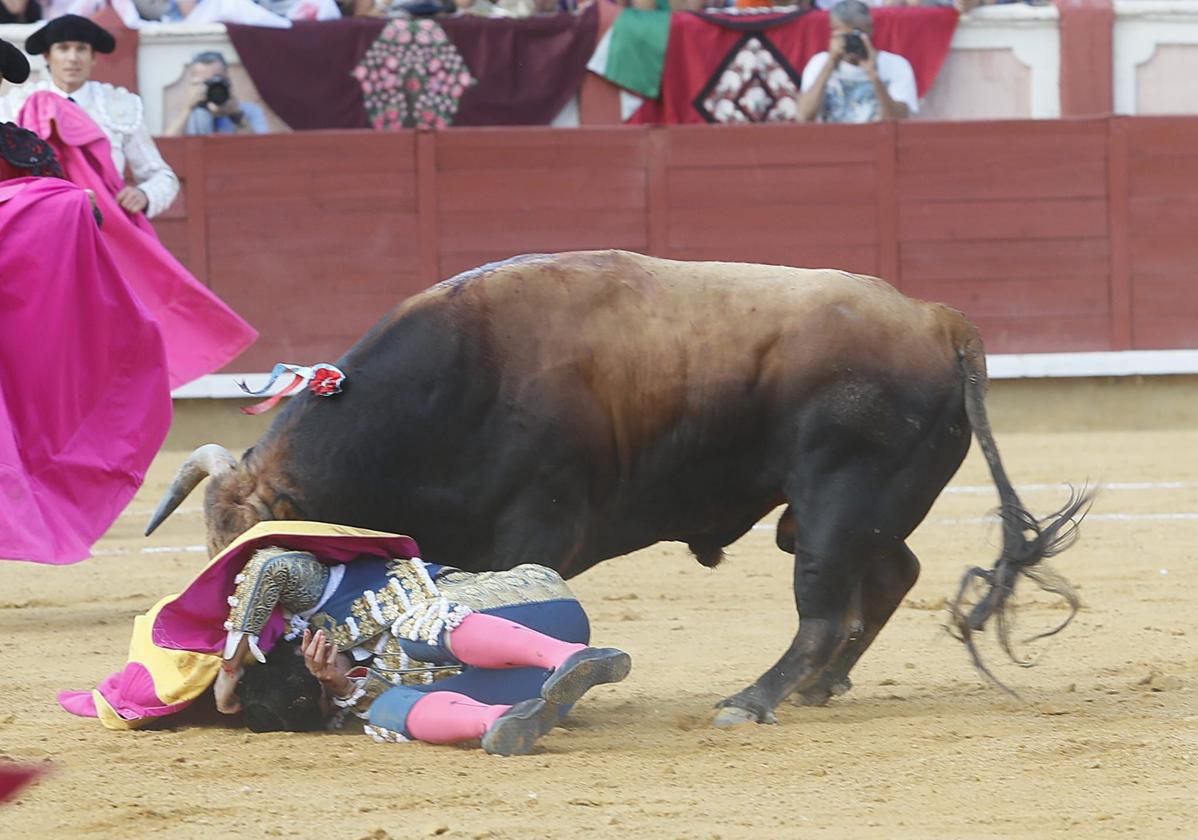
(583, 671)
(520, 727)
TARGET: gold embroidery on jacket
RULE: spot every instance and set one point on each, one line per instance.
(414, 607)
(273, 576)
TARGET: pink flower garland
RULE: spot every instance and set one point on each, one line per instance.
(412, 77)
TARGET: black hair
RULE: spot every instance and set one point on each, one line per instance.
(281, 695)
(210, 57)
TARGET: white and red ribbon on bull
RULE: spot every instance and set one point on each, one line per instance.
(324, 380)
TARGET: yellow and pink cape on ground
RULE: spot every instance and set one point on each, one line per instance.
(176, 648)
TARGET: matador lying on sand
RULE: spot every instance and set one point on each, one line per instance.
(418, 651)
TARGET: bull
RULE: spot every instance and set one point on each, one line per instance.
(565, 409)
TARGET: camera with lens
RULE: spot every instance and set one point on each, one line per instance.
(217, 90)
(854, 46)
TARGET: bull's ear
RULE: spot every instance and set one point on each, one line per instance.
(282, 507)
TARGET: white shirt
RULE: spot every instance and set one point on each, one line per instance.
(849, 96)
(120, 114)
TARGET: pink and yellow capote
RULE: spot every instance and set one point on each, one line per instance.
(176, 648)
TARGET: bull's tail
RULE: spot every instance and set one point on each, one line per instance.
(1026, 540)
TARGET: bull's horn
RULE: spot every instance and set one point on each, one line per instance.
(211, 459)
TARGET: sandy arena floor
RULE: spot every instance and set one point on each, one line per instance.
(1106, 745)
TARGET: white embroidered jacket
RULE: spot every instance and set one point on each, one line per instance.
(121, 115)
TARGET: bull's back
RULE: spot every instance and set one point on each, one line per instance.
(679, 384)
(642, 328)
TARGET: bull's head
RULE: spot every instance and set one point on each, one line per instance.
(230, 505)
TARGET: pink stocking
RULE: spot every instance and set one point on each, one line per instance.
(446, 717)
(486, 641)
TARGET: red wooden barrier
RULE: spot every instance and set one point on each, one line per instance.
(1162, 202)
(1010, 227)
(1051, 236)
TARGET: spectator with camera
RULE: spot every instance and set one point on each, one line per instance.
(211, 106)
(853, 82)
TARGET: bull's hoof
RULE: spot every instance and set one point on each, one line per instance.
(812, 697)
(730, 716)
(820, 695)
(740, 709)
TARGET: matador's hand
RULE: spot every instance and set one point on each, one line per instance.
(225, 689)
(320, 655)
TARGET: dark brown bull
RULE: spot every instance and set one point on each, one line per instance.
(569, 408)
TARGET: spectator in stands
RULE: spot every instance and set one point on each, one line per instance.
(480, 8)
(275, 13)
(853, 82)
(211, 106)
(70, 44)
(509, 8)
(395, 8)
(302, 9)
(20, 11)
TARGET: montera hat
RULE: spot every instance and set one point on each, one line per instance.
(14, 67)
(70, 28)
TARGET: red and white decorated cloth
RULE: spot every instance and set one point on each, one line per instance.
(723, 67)
(324, 380)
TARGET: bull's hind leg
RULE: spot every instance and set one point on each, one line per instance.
(887, 579)
(843, 526)
(854, 507)
(860, 486)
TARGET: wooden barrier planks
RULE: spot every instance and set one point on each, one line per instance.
(172, 225)
(311, 239)
(1051, 236)
(503, 192)
(1007, 221)
(771, 194)
(1162, 206)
